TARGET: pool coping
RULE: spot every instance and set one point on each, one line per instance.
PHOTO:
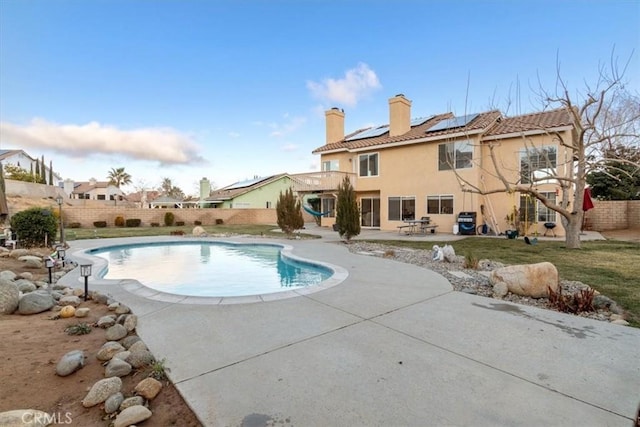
(135, 287)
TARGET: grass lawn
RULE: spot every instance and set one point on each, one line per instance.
(611, 267)
(103, 233)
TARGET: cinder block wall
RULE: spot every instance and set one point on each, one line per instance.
(614, 215)
(86, 216)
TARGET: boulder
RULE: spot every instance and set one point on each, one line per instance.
(108, 349)
(101, 391)
(24, 418)
(9, 297)
(117, 368)
(99, 298)
(532, 280)
(140, 358)
(33, 263)
(130, 322)
(70, 362)
(17, 253)
(116, 332)
(35, 302)
(26, 275)
(70, 300)
(7, 275)
(112, 404)
(26, 258)
(199, 231)
(127, 342)
(25, 286)
(82, 312)
(131, 401)
(122, 355)
(122, 309)
(112, 306)
(132, 415)
(148, 388)
(137, 345)
(106, 322)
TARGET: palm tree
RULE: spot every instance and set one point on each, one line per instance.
(118, 177)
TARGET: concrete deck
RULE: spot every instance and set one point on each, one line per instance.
(392, 345)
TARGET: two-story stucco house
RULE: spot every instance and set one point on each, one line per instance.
(411, 168)
(92, 190)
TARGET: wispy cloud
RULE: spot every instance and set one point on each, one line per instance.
(165, 145)
(289, 147)
(357, 83)
(291, 125)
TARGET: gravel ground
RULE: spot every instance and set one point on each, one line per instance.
(478, 282)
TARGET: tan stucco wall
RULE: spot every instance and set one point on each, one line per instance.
(412, 170)
(614, 215)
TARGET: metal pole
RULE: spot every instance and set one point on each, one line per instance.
(86, 287)
(61, 227)
(50, 281)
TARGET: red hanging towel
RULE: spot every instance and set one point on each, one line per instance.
(587, 203)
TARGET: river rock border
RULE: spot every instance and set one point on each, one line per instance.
(122, 354)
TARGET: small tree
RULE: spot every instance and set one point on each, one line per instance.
(118, 177)
(347, 214)
(51, 173)
(34, 227)
(289, 212)
(17, 173)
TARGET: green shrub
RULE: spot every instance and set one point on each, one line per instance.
(197, 222)
(133, 222)
(74, 225)
(179, 223)
(100, 224)
(119, 222)
(34, 227)
(219, 221)
(155, 224)
(169, 217)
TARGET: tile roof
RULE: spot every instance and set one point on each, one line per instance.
(534, 121)
(480, 123)
(83, 187)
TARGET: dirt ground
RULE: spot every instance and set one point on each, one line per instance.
(30, 348)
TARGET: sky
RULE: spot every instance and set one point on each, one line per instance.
(233, 89)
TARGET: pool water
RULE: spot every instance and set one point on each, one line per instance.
(211, 268)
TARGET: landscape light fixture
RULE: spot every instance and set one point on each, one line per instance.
(59, 200)
(61, 254)
(49, 263)
(85, 271)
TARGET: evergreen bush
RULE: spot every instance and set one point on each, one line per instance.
(119, 222)
(34, 227)
(133, 222)
(347, 213)
(169, 217)
(100, 224)
(289, 212)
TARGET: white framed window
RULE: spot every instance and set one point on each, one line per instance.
(538, 164)
(368, 164)
(330, 165)
(401, 208)
(458, 155)
(440, 204)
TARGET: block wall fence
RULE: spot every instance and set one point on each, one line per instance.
(86, 216)
(613, 215)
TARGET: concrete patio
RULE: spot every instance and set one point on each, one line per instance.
(392, 345)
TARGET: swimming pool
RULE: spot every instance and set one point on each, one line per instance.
(216, 269)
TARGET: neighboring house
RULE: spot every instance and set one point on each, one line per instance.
(253, 193)
(404, 170)
(166, 202)
(22, 160)
(93, 190)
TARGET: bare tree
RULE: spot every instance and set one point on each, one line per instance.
(603, 116)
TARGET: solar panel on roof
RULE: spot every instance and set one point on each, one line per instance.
(369, 133)
(242, 184)
(453, 123)
(420, 120)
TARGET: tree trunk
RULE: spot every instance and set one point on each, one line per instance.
(572, 230)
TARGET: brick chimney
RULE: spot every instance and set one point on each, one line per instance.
(335, 125)
(399, 115)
